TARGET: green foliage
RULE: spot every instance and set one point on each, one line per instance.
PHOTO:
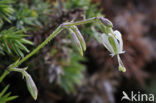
(91, 10)
(13, 40)
(28, 15)
(5, 10)
(5, 97)
(25, 17)
(42, 9)
(72, 73)
(71, 68)
(31, 14)
(72, 4)
(25, 14)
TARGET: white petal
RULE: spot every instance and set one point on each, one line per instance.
(107, 44)
(117, 44)
(119, 37)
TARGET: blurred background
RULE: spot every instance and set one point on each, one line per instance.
(61, 74)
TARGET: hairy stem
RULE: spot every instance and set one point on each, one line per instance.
(81, 22)
(57, 31)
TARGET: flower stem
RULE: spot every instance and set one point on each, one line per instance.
(57, 31)
(81, 22)
(4, 75)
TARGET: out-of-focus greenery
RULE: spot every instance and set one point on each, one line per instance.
(43, 9)
(72, 4)
(25, 17)
(91, 10)
(5, 97)
(31, 14)
(72, 73)
(5, 10)
(73, 70)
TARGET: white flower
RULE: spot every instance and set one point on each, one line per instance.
(113, 43)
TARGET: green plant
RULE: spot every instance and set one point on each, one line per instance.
(72, 73)
(41, 9)
(11, 39)
(16, 19)
(5, 97)
(25, 17)
(113, 43)
(91, 10)
(5, 10)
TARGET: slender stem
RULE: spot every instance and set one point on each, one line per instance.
(4, 75)
(57, 31)
(81, 22)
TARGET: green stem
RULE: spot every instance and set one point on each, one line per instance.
(4, 75)
(57, 31)
(81, 22)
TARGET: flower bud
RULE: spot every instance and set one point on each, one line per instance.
(77, 42)
(113, 43)
(121, 66)
(105, 22)
(31, 86)
(79, 36)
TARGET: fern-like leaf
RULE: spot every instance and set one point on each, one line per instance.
(5, 97)
(12, 40)
(5, 10)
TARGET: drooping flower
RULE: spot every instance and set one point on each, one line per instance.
(113, 43)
